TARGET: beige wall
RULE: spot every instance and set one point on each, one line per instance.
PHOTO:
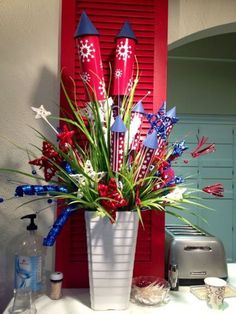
(188, 17)
(198, 85)
(202, 87)
(29, 58)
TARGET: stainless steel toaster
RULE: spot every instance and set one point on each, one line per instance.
(196, 253)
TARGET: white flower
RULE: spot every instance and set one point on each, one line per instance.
(176, 194)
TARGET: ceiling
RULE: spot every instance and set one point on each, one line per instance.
(221, 46)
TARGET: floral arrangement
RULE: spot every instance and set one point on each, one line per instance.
(113, 168)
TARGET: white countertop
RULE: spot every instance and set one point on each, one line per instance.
(76, 301)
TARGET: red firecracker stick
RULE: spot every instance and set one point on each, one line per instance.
(91, 68)
(146, 155)
(117, 144)
(124, 61)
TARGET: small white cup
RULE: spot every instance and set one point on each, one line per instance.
(215, 292)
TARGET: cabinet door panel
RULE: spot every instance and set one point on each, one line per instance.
(215, 172)
(222, 157)
(220, 222)
(187, 132)
(217, 133)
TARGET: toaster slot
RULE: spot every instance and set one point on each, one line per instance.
(184, 230)
(186, 233)
(179, 227)
(198, 248)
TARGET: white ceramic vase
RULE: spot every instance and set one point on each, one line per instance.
(111, 250)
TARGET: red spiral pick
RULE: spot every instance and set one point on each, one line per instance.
(215, 189)
(200, 150)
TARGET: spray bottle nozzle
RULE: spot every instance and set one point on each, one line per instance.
(32, 225)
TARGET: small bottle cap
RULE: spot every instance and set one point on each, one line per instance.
(56, 276)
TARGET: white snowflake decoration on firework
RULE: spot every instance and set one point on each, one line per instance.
(121, 151)
(86, 50)
(86, 77)
(102, 88)
(118, 73)
(130, 85)
(123, 51)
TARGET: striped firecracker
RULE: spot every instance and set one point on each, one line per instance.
(118, 130)
(170, 118)
(137, 115)
(146, 155)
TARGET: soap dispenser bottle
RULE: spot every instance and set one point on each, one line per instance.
(30, 259)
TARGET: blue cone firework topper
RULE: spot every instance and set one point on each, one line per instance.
(85, 27)
(118, 130)
(162, 110)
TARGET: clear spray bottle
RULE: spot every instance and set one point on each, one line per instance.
(30, 259)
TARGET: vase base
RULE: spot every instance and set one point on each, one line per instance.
(111, 249)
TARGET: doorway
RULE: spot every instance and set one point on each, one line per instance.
(201, 84)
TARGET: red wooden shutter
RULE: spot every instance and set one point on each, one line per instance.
(149, 22)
